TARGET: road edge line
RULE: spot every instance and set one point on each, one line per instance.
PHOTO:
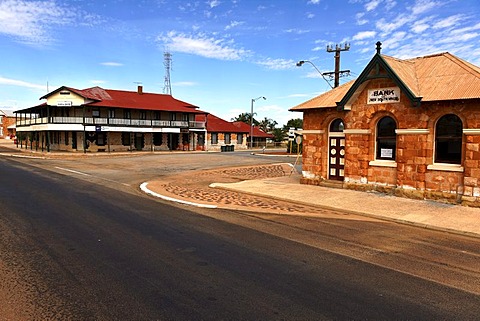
(144, 188)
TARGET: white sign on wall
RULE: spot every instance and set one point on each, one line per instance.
(383, 95)
(386, 153)
(64, 103)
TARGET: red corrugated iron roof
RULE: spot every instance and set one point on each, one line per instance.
(131, 99)
(257, 132)
(435, 77)
(135, 100)
(216, 124)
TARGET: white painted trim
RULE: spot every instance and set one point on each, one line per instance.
(310, 131)
(91, 128)
(412, 131)
(471, 131)
(144, 188)
(383, 163)
(357, 131)
(336, 134)
(445, 167)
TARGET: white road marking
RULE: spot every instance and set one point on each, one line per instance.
(144, 188)
(85, 174)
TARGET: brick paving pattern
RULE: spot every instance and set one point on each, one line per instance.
(194, 187)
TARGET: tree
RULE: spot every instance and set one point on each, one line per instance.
(296, 123)
(279, 134)
(245, 117)
(267, 125)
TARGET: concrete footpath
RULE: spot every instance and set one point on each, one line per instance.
(428, 214)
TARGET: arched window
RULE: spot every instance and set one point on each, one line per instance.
(386, 139)
(337, 125)
(448, 139)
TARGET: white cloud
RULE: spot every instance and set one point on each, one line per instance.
(422, 6)
(213, 3)
(277, 64)
(20, 83)
(296, 31)
(387, 27)
(111, 64)
(202, 45)
(32, 22)
(310, 15)
(234, 24)
(313, 2)
(360, 20)
(448, 22)
(372, 5)
(364, 35)
(420, 26)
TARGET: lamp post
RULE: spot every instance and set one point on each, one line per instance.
(251, 119)
(301, 62)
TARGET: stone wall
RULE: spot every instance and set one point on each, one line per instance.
(414, 173)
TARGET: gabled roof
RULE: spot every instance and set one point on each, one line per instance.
(215, 124)
(257, 132)
(130, 99)
(431, 78)
(7, 113)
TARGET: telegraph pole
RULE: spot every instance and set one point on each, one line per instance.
(337, 73)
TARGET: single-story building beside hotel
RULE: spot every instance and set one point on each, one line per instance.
(97, 119)
(230, 136)
(410, 127)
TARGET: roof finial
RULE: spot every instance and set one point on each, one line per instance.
(379, 47)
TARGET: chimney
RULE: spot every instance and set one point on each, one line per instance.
(140, 90)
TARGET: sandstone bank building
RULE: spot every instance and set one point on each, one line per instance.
(407, 127)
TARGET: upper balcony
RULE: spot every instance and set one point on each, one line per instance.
(112, 122)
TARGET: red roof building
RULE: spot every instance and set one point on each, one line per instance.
(97, 119)
(233, 134)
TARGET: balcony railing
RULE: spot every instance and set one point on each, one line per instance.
(111, 122)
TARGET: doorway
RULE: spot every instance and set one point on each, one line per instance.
(336, 150)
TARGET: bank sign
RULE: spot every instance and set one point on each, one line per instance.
(384, 95)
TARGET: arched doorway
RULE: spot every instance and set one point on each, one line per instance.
(336, 151)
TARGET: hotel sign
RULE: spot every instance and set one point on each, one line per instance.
(384, 95)
(64, 103)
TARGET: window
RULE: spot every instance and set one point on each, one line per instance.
(127, 114)
(228, 139)
(386, 139)
(214, 138)
(96, 112)
(157, 139)
(143, 115)
(101, 139)
(448, 140)
(111, 113)
(126, 139)
(239, 139)
(337, 125)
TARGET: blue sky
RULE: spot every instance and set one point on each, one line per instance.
(224, 52)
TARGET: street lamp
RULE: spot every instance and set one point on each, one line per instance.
(301, 62)
(251, 120)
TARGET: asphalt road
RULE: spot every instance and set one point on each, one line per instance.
(76, 248)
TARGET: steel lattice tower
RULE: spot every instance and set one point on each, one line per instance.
(167, 62)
